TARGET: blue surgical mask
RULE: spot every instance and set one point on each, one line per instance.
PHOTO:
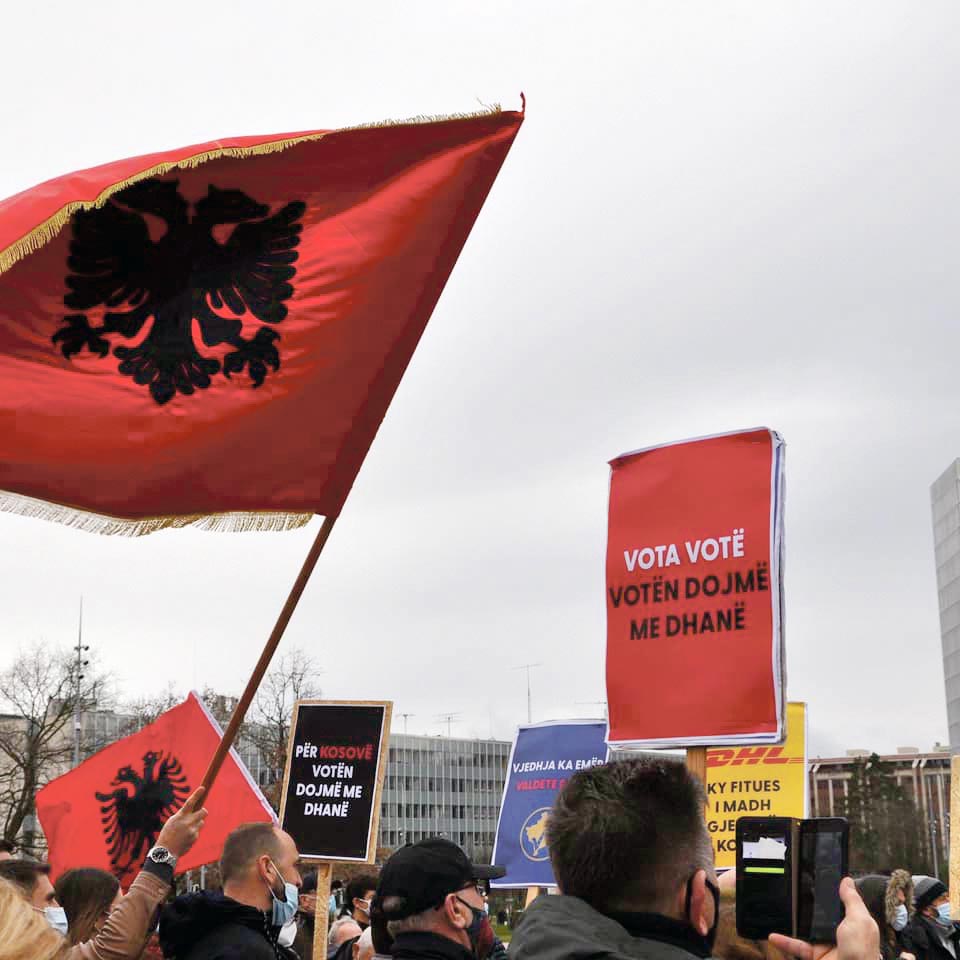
(943, 913)
(57, 918)
(900, 917)
(284, 910)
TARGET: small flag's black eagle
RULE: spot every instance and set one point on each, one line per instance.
(133, 813)
(194, 271)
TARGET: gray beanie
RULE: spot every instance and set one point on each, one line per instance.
(926, 890)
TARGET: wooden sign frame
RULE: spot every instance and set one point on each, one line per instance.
(325, 864)
(380, 775)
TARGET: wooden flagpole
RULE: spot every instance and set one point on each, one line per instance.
(240, 711)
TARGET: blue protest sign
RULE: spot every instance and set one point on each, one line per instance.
(544, 757)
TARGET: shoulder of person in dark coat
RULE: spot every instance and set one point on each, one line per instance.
(210, 926)
(921, 937)
(558, 927)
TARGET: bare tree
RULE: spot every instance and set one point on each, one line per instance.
(294, 677)
(141, 711)
(38, 694)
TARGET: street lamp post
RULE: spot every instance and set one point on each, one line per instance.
(81, 649)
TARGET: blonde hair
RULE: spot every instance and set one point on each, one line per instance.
(24, 933)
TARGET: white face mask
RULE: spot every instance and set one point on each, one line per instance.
(57, 918)
(288, 933)
(900, 918)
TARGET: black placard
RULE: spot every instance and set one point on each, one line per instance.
(330, 799)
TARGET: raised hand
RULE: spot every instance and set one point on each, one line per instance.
(857, 936)
(180, 832)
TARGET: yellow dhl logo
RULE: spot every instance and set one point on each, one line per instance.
(748, 756)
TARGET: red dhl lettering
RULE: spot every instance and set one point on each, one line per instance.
(748, 756)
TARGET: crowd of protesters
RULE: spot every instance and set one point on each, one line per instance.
(629, 848)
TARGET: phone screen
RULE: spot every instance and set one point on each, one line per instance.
(823, 864)
(764, 877)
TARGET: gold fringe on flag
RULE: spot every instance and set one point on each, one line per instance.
(237, 522)
(43, 233)
(46, 231)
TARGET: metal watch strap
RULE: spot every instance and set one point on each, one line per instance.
(164, 856)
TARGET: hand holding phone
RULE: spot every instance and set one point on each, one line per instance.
(788, 875)
(857, 935)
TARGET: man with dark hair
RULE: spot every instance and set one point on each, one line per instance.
(633, 860)
(632, 856)
(356, 904)
(431, 898)
(257, 908)
(32, 879)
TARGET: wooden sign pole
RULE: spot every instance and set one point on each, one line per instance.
(697, 763)
(321, 917)
(240, 711)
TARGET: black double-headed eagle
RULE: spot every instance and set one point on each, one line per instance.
(133, 812)
(228, 259)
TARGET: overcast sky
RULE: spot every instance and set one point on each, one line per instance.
(716, 215)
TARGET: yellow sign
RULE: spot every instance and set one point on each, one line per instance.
(756, 782)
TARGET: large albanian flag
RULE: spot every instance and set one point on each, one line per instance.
(214, 334)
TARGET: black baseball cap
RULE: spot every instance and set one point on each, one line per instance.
(423, 873)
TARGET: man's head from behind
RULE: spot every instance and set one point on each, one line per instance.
(32, 880)
(342, 930)
(630, 836)
(258, 859)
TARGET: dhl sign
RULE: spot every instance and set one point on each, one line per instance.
(766, 781)
(729, 757)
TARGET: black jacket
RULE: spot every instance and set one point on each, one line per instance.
(303, 943)
(921, 937)
(210, 926)
(428, 946)
(567, 928)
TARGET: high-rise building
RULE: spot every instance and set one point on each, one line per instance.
(945, 502)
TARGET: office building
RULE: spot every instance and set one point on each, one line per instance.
(443, 786)
(925, 778)
(945, 503)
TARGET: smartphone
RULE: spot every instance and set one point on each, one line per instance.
(824, 844)
(788, 877)
(765, 876)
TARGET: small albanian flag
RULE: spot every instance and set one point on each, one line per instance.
(213, 335)
(108, 812)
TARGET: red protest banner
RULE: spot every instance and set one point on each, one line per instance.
(108, 811)
(694, 627)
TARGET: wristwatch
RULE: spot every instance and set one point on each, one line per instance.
(162, 855)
